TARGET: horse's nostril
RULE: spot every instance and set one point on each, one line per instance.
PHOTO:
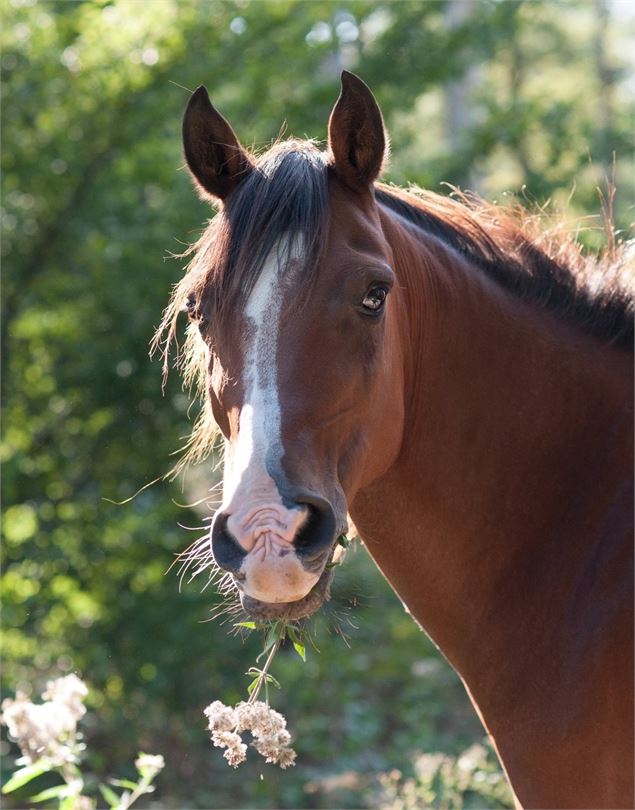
(228, 553)
(304, 537)
(315, 539)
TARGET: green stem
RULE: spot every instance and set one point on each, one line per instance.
(142, 787)
(263, 672)
(72, 775)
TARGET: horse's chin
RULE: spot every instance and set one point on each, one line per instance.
(292, 611)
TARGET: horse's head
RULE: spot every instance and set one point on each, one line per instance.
(291, 290)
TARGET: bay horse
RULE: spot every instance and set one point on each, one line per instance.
(461, 384)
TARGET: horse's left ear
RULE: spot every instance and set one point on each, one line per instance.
(214, 155)
(357, 138)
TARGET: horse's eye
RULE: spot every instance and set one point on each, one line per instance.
(375, 299)
(191, 308)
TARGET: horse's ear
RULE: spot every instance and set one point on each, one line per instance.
(214, 156)
(357, 139)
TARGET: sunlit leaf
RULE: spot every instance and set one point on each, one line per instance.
(51, 793)
(109, 795)
(300, 649)
(25, 775)
(125, 783)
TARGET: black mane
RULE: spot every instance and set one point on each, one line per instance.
(528, 271)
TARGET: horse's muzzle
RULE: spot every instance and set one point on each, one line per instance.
(277, 578)
(312, 543)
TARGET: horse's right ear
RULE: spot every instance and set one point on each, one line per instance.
(357, 138)
(214, 156)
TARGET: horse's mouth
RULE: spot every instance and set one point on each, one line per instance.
(292, 611)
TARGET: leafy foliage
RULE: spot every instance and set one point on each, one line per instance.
(94, 198)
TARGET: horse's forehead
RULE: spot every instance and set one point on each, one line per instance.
(273, 295)
(354, 235)
(352, 232)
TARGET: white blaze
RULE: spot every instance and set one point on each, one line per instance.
(259, 436)
(257, 517)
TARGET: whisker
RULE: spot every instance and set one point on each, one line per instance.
(190, 552)
(189, 505)
(191, 528)
(226, 612)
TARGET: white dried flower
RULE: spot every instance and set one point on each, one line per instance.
(278, 740)
(268, 747)
(286, 758)
(283, 737)
(274, 747)
(236, 749)
(69, 691)
(265, 721)
(268, 728)
(223, 739)
(47, 729)
(235, 756)
(149, 765)
(39, 729)
(243, 714)
(220, 717)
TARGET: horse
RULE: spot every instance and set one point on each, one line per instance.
(457, 378)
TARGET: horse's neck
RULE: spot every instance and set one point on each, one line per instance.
(515, 455)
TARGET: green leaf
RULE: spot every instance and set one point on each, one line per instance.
(51, 793)
(270, 639)
(300, 649)
(109, 795)
(343, 541)
(297, 641)
(125, 783)
(270, 679)
(248, 625)
(69, 803)
(252, 686)
(26, 774)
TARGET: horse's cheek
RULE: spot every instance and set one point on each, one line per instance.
(386, 439)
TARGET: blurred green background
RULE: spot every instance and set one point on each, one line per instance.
(532, 98)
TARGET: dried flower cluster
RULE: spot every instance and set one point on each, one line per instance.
(47, 729)
(268, 729)
(149, 765)
(50, 743)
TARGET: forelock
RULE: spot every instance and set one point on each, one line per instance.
(283, 201)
